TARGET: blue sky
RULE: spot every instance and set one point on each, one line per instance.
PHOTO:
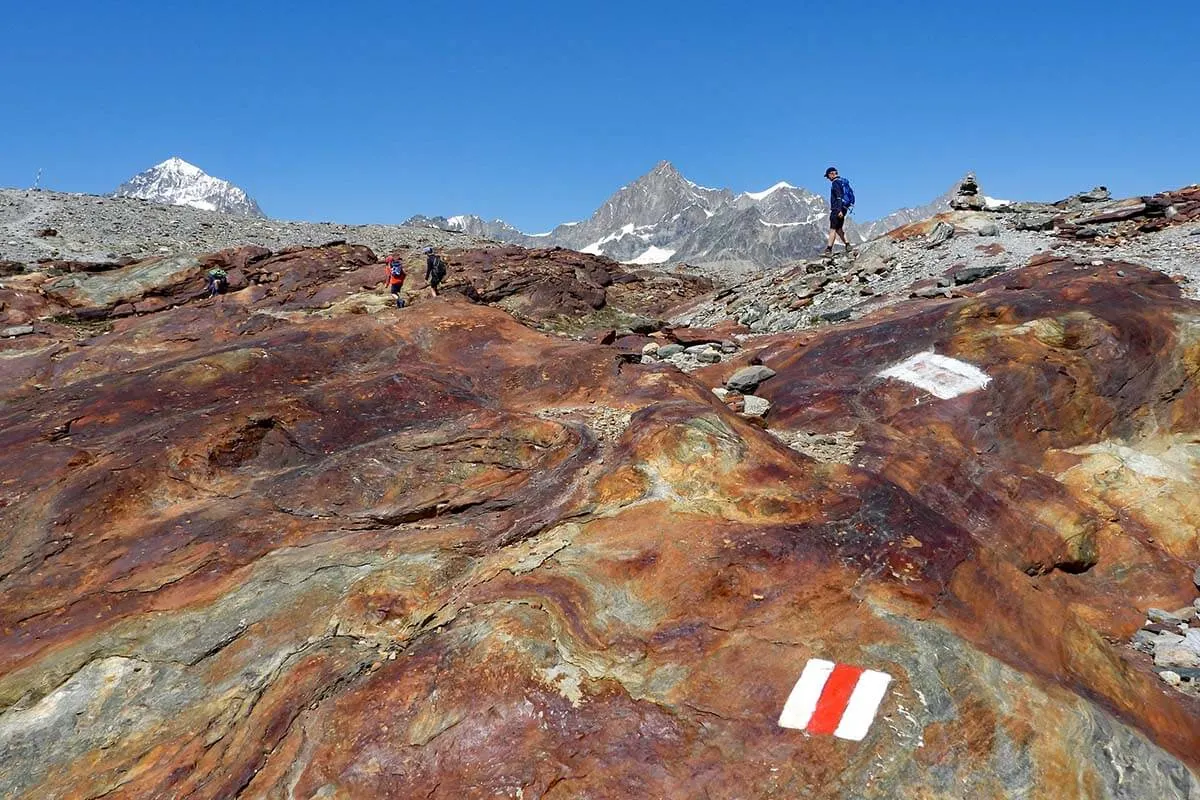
(537, 111)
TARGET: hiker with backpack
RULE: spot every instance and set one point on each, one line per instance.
(218, 281)
(841, 201)
(395, 278)
(435, 270)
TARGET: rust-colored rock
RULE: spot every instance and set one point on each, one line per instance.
(293, 542)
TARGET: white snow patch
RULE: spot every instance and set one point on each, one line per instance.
(941, 376)
(595, 248)
(458, 221)
(766, 192)
(781, 224)
(539, 235)
(991, 202)
(653, 255)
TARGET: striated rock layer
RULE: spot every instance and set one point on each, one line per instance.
(292, 543)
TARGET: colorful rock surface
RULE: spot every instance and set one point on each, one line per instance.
(293, 543)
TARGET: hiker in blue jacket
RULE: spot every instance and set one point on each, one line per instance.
(841, 200)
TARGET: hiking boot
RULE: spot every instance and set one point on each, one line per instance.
(829, 250)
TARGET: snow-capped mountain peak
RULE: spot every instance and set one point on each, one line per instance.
(177, 182)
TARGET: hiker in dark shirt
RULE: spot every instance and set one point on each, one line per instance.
(218, 281)
(435, 269)
(841, 200)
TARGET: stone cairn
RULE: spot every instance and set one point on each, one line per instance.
(968, 196)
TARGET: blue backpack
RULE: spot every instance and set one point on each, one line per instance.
(847, 192)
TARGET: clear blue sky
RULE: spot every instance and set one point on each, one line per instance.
(537, 111)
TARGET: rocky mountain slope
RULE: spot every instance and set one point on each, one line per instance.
(176, 182)
(294, 542)
(53, 226)
(664, 217)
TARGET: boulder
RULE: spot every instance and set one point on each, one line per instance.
(1034, 222)
(972, 274)
(668, 350)
(747, 379)
(755, 406)
(941, 232)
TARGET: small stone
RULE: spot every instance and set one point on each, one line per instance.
(697, 349)
(747, 379)
(1163, 617)
(988, 229)
(1144, 641)
(709, 356)
(650, 349)
(1196, 577)
(835, 316)
(16, 330)
(1187, 614)
(669, 350)
(721, 392)
(1172, 651)
(1170, 678)
(1176, 655)
(755, 406)
(728, 347)
(1120, 273)
(1097, 263)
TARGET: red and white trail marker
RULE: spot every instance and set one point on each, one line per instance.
(835, 699)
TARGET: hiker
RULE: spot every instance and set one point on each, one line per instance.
(435, 269)
(395, 278)
(841, 201)
(218, 281)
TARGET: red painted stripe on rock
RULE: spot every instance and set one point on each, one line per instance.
(834, 698)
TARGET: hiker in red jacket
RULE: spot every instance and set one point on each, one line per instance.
(395, 278)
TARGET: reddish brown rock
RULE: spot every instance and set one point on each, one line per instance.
(293, 542)
(723, 332)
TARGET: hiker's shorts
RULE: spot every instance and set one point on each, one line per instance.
(395, 288)
(836, 220)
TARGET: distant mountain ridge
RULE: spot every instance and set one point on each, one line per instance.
(176, 182)
(664, 217)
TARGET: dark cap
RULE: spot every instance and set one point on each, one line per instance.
(831, 169)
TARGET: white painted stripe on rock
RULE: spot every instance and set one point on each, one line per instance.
(802, 702)
(941, 376)
(863, 705)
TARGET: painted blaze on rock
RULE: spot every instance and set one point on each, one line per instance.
(836, 699)
(939, 375)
